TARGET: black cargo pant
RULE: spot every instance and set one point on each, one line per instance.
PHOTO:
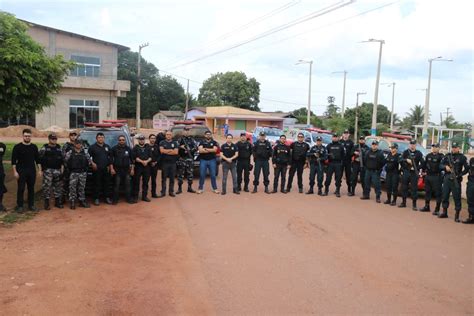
(243, 166)
(298, 167)
(470, 197)
(335, 168)
(3, 188)
(168, 170)
(433, 187)
(392, 179)
(347, 171)
(153, 175)
(356, 171)
(261, 166)
(280, 172)
(372, 177)
(101, 183)
(409, 183)
(314, 169)
(27, 178)
(122, 176)
(141, 172)
(451, 186)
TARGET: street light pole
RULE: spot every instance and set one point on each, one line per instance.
(393, 102)
(373, 129)
(310, 62)
(138, 121)
(357, 115)
(427, 100)
(343, 91)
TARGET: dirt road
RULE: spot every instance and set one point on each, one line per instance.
(249, 254)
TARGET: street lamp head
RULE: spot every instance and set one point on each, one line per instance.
(304, 61)
(144, 45)
(361, 93)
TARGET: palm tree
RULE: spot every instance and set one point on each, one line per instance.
(414, 117)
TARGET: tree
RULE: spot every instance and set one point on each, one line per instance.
(414, 117)
(28, 76)
(302, 112)
(365, 117)
(332, 109)
(158, 92)
(230, 88)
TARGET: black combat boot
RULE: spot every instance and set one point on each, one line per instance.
(426, 208)
(246, 188)
(236, 191)
(72, 205)
(436, 211)
(351, 191)
(255, 189)
(404, 202)
(326, 191)
(145, 199)
(282, 190)
(389, 199)
(310, 191)
(365, 197)
(377, 199)
(394, 201)
(84, 204)
(288, 188)
(300, 190)
(223, 192)
(469, 220)
(154, 195)
(267, 191)
(413, 206)
(180, 189)
(456, 217)
(338, 192)
(320, 191)
(58, 202)
(275, 189)
(190, 189)
(2, 208)
(46, 205)
(444, 213)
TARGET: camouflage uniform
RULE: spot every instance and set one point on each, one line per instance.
(67, 147)
(185, 163)
(51, 159)
(78, 163)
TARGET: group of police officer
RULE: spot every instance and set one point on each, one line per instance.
(64, 169)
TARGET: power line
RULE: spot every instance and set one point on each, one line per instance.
(274, 30)
(239, 29)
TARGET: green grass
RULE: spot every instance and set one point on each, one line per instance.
(8, 153)
(12, 217)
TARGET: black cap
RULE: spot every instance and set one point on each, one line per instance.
(243, 134)
(186, 128)
(319, 139)
(435, 145)
(141, 137)
(394, 146)
(334, 135)
(455, 145)
(346, 131)
(375, 142)
(413, 142)
(78, 141)
(52, 136)
(361, 138)
(262, 134)
(300, 134)
(72, 133)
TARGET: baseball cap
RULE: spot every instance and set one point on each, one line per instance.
(243, 134)
(300, 135)
(72, 133)
(319, 139)
(361, 138)
(375, 142)
(52, 136)
(78, 141)
(455, 144)
(435, 145)
(334, 135)
(412, 142)
(262, 134)
(346, 131)
(141, 136)
(394, 146)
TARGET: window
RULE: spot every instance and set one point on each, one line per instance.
(383, 145)
(82, 111)
(85, 66)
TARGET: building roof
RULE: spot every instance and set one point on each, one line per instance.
(199, 108)
(281, 114)
(171, 113)
(119, 47)
(222, 112)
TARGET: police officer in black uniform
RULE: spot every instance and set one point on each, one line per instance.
(243, 162)
(185, 164)
(374, 162)
(470, 193)
(3, 188)
(169, 156)
(51, 162)
(143, 157)
(336, 157)
(280, 159)
(411, 162)
(100, 154)
(67, 147)
(122, 169)
(432, 172)
(348, 145)
(357, 154)
(316, 157)
(392, 176)
(262, 152)
(455, 167)
(154, 164)
(298, 162)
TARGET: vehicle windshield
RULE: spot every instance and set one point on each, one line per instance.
(194, 131)
(402, 146)
(272, 131)
(326, 137)
(111, 137)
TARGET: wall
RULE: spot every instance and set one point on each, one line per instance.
(192, 113)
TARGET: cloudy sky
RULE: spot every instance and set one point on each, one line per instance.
(182, 33)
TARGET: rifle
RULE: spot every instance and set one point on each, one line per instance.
(413, 162)
(188, 150)
(361, 155)
(453, 176)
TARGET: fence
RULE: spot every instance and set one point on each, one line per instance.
(145, 123)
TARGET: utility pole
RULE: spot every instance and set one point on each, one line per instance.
(392, 84)
(139, 83)
(187, 101)
(343, 91)
(373, 129)
(310, 62)
(357, 116)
